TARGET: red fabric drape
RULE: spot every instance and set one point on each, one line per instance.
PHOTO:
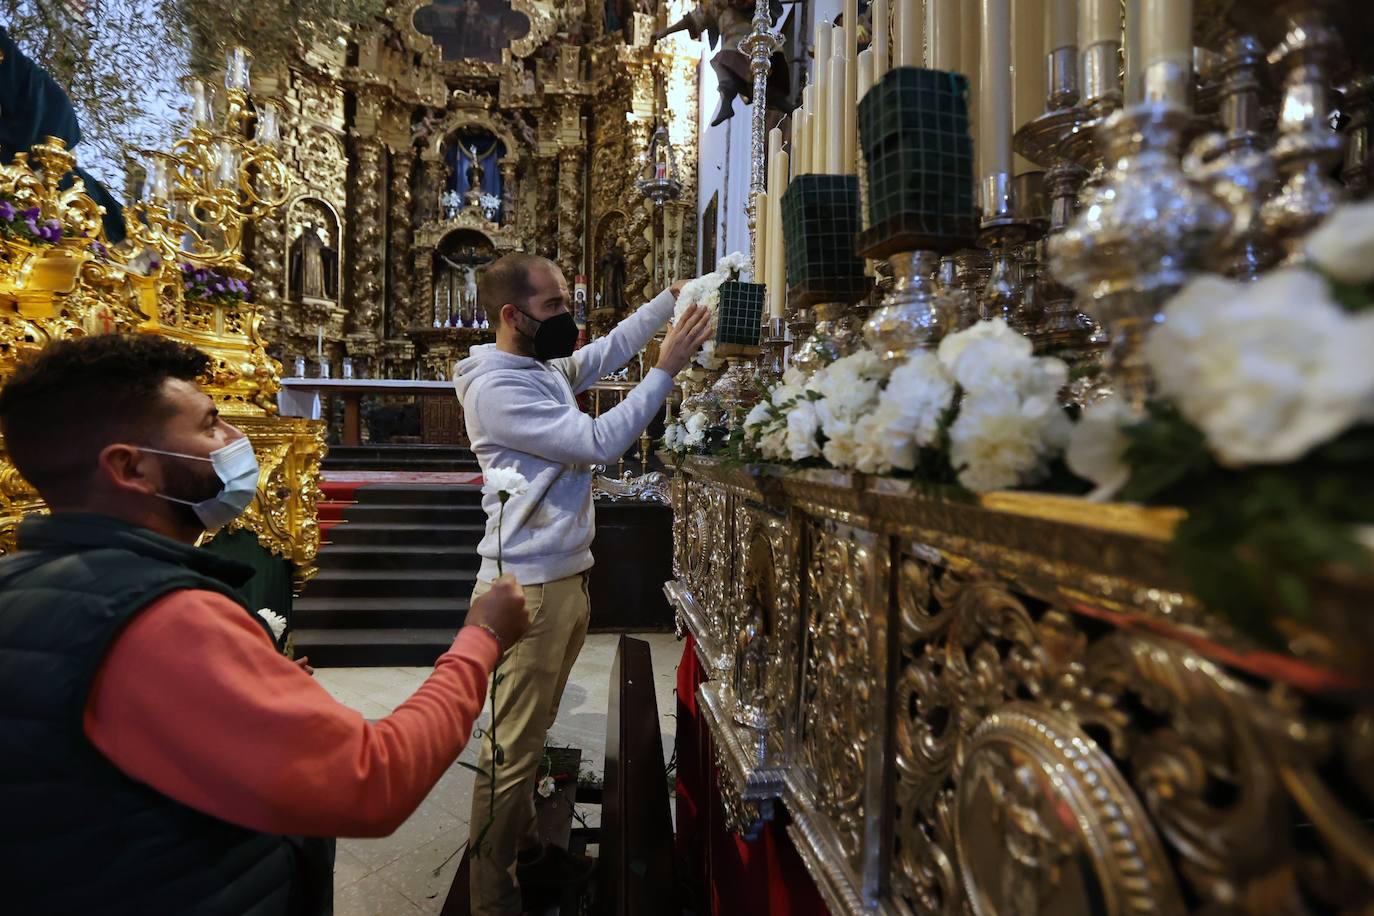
(763, 878)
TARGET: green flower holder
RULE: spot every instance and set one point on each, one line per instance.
(820, 218)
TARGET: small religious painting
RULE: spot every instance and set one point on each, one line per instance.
(472, 29)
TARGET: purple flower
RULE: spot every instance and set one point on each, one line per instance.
(33, 225)
(188, 286)
(219, 287)
(6, 211)
(186, 268)
(31, 214)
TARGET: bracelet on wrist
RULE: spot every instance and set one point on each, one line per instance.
(500, 643)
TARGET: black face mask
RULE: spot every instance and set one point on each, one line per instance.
(556, 337)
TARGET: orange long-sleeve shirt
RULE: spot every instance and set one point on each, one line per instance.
(193, 700)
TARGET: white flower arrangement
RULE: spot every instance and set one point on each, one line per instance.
(705, 291)
(688, 434)
(489, 202)
(1267, 371)
(984, 398)
(1342, 247)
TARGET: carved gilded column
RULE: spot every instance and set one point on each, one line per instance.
(268, 258)
(638, 243)
(433, 178)
(402, 305)
(546, 233)
(509, 206)
(365, 201)
(571, 210)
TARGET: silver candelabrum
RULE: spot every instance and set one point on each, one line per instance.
(1139, 235)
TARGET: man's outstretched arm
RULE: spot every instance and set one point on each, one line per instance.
(607, 354)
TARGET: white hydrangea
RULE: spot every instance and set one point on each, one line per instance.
(673, 437)
(1267, 371)
(992, 355)
(760, 414)
(1343, 245)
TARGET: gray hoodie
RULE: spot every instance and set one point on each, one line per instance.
(522, 413)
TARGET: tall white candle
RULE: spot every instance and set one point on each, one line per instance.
(909, 27)
(834, 149)
(865, 83)
(851, 79)
(814, 149)
(777, 272)
(1028, 62)
(1098, 21)
(761, 227)
(994, 104)
(1061, 26)
(942, 27)
(319, 343)
(800, 142)
(878, 45)
(823, 121)
(1132, 49)
(970, 38)
(1166, 41)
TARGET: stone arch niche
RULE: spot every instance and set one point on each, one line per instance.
(454, 266)
(543, 20)
(608, 265)
(314, 234)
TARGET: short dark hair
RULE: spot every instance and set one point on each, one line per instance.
(507, 279)
(60, 409)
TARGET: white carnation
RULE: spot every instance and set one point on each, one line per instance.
(505, 482)
(803, 423)
(1267, 371)
(758, 415)
(909, 410)
(695, 433)
(1097, 447)
(546, 787)
(735, 263)
(996, 330)
(673, 436)
(1001, 441)
(1343, 245)
(274, 620)
(870, 449)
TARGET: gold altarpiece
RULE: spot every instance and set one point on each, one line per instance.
(369, 132)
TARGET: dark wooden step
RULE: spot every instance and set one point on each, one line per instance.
(391, 583)
(361, 533)
(416, 514)
(375, 613)
(391, 556)
(408, 647)
(427, 494)
(452, 465)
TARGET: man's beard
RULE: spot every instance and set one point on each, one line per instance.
(183, 480)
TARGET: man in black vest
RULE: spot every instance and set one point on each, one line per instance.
(156, 752)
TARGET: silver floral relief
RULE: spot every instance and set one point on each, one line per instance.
(838, 683)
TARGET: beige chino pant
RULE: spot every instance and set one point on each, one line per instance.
(536, 670)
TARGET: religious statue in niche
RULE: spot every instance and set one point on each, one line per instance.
(726, 23)
(314, 265)
(471, 29)
(474, 160)
(610, 272)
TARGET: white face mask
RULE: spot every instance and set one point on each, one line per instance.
(237, 467)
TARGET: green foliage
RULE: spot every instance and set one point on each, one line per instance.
(1254, 537)
(120, 61)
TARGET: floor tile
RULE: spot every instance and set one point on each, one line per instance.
(424, 875)
(428, 821)
(372, 896)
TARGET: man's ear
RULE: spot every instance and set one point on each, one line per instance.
(125, 467)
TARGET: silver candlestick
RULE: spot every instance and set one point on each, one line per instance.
(1139, 237)
(914, 314)
(1307, 147)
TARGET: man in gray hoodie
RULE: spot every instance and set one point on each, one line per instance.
(519, 402)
